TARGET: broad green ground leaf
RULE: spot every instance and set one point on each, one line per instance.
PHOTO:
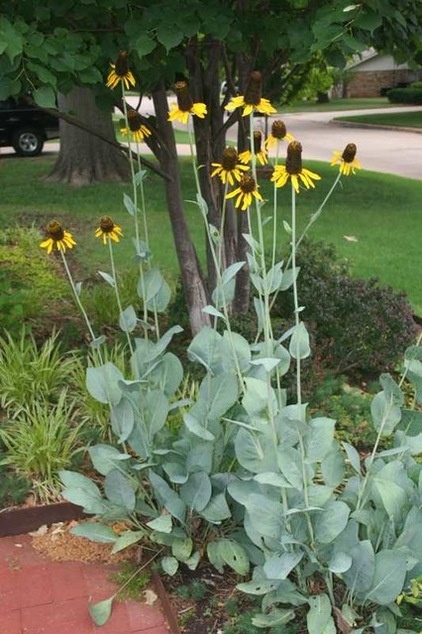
(390, 573)
(205, 348)
(331, 521)
(182, 548)
(220, 393)
(128, 319)
(195, 427)
(105, 458)
(319, 439)
(333, 467)
(100, 612)
(290, 463)
(234, 555)
(280, 566)
(122, 419)
(170, 565)
(274, 618)
(167, 497)
(217, 509)
(319, 618)
(119, 490)
(299, 347)
(96, 532)
(162, 524)
(265, 515)
(126, 539)
(385, 413)
(214, 556)
(360, 575)
(197, 491)
(255, 399)
(255, 451)
(102, 383)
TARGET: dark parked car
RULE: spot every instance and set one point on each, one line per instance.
(25, 127)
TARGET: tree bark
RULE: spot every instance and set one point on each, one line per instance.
(83, 157)
(193, 281)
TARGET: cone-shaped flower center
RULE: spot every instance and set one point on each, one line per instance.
(294, 158)
(253, 90)
(349, 153)
(278, 129)
(257, 139)
(55, 230)
(134, 120)
(247, 184)
(184, 100)
(121, 68)
(229, 160)
(106, 224)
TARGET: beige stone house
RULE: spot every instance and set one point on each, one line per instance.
(373, 73)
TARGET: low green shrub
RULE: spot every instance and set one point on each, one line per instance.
(410, 95)
(358, 326)
(30, 284)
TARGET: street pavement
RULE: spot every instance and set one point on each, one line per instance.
(390, 150)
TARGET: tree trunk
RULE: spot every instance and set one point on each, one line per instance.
(193, 282)
(83, 157)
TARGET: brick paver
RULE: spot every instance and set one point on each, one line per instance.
(38, 596)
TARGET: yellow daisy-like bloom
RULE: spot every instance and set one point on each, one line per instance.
(246, 192)
(278, 133)
(229, 169)
(108, 230)
(293, 170)
(260, 153)
(346, 160)
(252, 101)
(58, 239)
(185, 106)
(120, 73)
(136, 129)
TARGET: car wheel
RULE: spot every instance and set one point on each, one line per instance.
(28, 142)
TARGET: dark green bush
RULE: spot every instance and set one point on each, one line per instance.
(405, 95)
(357, 325)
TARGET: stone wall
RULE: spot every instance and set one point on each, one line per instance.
(370, 83)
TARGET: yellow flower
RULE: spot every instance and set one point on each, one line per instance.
(260, 154)
(58, 239)
(293, 169)
(120, 73)
(136, 129)
(346, 159)
(108, 229)
(246, 192)
(278, 133)
(229, 169)
(252, 101)
(185, 106)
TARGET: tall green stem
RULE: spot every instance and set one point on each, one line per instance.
(78, 301)
(116, 290)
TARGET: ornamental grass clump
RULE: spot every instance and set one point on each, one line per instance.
(250, 480)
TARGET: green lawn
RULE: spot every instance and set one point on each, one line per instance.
(411, 119)
(381, 213)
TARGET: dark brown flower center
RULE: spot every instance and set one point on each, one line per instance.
(294, 158)
(121, 68)
(253, 90)
(278, 129)
(134, 120)
(55, 230)
(247, 183)
(349, 153)
(106, 224)
(229, 160)
(184, 100)
(257, 139)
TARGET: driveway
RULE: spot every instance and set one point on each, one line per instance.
(392, 151)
